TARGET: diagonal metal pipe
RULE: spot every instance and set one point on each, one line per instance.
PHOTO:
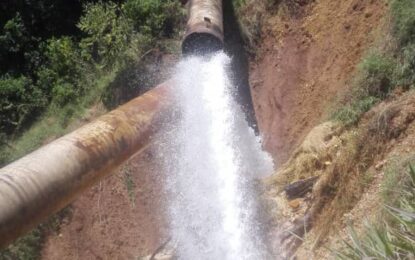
(45, 181)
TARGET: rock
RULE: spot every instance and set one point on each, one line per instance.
(300, 188)
(327, 163)
(295, 204)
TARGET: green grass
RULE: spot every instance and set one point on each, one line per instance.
(393, 235)
(25, 248)
(404, 20)
(380, 71)
(129, 183)
(351, 113)
(29, 246)
(374, 81)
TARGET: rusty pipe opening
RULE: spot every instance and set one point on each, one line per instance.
(204, 30)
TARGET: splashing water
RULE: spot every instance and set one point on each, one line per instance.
(213, 155)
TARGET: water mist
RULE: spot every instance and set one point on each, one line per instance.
(211, 156)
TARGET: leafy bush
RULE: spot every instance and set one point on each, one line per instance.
(14, 35)
(25, 248)
(18, 100)
(350, 113)
(61, 74)
(64, 92)
(238, 3)
(377, 74)
(376, 78)
(403, 12)
(14, 39)
(63, 57)
(108, 32)
(154, 17)
(405, 72)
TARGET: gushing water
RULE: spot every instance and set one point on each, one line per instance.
(212, 157)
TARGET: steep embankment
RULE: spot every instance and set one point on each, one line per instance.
(307, 55)
(347, 170)
(333, 176)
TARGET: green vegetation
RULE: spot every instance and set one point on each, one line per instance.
(29, 246)
(59, 58)
(129, 183)
(350, 113)
(391, 234)
(251, 15)
(62, 71)
(382, 70)
(392, 237)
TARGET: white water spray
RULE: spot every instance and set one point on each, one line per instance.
(211, 156)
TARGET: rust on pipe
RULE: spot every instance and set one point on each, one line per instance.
(204, 30)
(45, 181)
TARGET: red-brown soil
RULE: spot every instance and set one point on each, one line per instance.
(305, 61)
(109, 222)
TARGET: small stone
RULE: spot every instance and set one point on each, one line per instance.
(347, 26)
(294, 203)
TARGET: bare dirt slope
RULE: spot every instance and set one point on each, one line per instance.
(306, 58)
(117, 219)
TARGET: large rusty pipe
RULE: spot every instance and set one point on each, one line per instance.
(45, 181)
(204, 30)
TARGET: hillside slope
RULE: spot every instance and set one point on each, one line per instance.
(335, 178)
(305, 60)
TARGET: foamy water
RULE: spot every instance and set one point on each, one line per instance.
(211, 155)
